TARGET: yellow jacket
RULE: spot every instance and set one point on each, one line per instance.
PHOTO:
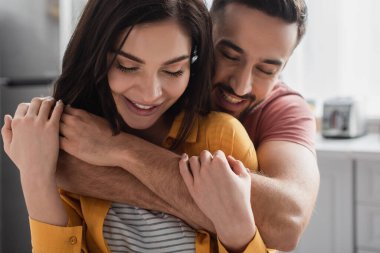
(84, 231)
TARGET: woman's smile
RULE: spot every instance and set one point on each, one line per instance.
(139, 108)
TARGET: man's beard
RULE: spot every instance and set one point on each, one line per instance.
(248, 98)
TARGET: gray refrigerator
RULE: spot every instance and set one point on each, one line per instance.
(29, 57)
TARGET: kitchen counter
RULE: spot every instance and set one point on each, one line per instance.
(367, 146)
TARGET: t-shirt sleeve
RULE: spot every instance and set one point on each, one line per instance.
(50, 238)
(288, 118)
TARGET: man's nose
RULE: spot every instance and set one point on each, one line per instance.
(242, 82)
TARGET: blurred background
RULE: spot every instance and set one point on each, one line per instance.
(335, 68)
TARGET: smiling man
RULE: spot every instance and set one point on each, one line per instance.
(253, 41)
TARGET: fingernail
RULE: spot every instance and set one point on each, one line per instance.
(184, 156)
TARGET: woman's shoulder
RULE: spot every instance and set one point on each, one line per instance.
(220, 119)
(219, 127)
(222, 131)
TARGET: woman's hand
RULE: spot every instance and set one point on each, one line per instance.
(87, 137)
(31, 138)
(221, 188)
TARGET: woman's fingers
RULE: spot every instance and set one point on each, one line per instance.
(186, 173)
(237, 166)
(57, 112)
(46, 108)
(34, 107)
(21, 110)
(6, 132)
(205, 157)
(195, 166)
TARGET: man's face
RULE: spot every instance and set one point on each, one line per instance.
(251, 49)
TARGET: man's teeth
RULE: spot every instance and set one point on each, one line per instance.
(144, 107)
(231, 99)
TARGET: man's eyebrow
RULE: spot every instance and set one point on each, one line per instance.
(230, 44)
(273, 62)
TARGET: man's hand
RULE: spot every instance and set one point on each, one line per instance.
(87, 137)
(221, 187)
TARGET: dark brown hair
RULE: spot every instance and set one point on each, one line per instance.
(290, 11)
(83, 82)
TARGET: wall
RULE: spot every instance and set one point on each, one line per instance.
(29, 39)
(339, 54)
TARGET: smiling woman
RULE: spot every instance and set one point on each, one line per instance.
(125, 52)
(147, 82)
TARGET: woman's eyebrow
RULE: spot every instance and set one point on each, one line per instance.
(137, 59)
(177, 59)
(130, 56)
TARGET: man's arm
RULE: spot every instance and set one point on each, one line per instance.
(291, 177)
(284, 197)
(118, 185)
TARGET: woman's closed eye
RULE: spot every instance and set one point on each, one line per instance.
(133, 69)
(174, 73)
(126, 69)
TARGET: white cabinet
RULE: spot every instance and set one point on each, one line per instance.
(346, 218)
(368, 205)
(331, 226)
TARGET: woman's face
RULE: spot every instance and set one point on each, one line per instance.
(151, 72)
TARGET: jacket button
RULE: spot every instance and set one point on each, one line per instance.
(73, 240)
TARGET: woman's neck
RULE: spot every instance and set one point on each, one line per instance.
(155, 134)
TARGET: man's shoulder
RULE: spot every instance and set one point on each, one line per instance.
(284, 115)
(282, 101)
(283, 94)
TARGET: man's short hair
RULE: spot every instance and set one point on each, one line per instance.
(290, 11)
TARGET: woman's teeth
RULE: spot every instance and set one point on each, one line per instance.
(143, 107)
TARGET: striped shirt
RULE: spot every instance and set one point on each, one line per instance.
(133, 229)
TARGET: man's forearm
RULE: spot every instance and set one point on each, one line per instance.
(276, 214)
(158, 169)
(114, 184)
(284, 197)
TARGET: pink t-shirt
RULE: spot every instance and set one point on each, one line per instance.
(283, 116)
